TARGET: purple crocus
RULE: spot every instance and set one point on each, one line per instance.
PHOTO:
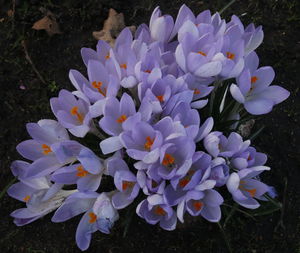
(154, 210)
(205, 203)
(39, 149)
(253, 88)
(72, 113)
(118, 116)
(87, 174)
(99, 214)
(142, 143)
(218, 145)
(41, 197)
(244, 188)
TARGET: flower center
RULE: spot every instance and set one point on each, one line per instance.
(254, 79)
(123, 66)
(148, 71)
(74, 111)
(81, 172)
(127, 184)
(122, 118)
(197, 205)
(168, 160)
(230, 55)
(107, 56)
(196, 91)
(160, 98)
(202, 53)
(97, 85)
(26, 198)
(252, 192)
(159, 211)
(149, 142)
(46, 149)
(93, 217)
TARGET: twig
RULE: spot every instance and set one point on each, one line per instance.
(225, 237)
(227, 6)
(31, 63)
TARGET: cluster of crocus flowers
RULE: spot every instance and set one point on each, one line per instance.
(145, 102)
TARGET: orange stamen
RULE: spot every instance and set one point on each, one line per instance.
(107, 56)
(160, 98)
(81, 171)
(93, 217)
(183, 182)
(126, 185)
(122, 118)
(196, 91)
(252, 192)
(197, 205)
(230, 55)
(46, 149)
(254, 79)
(168, 160)
(159, 211)
(148, 71)
(202, 53)
(74, 111)
(26, 198)
(149, 143)
(123, 66)
(97, 85)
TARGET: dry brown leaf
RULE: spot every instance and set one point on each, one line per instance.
(47, 23)
(113, 25)
(10, 13)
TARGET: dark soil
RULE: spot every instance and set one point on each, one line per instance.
(54, 56)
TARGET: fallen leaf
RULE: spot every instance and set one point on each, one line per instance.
(10, 13)
(113, 25)
(47, 23)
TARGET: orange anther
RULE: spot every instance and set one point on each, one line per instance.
(26, 198)
(126, 185)
(98, 85)
(202, 53)
(149, 142)
(81, 171)
(230, 55)
(46, 149)
(254, 79)
(148, 71)
(196, 91)
(123, 66)
(197, 205)
(107, 56)
(160, 98)
(183, 182)
(168, 160)
(159, 211)
(121, 119)
(93, 217)
(74, 111)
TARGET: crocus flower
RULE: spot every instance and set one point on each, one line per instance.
(41, 197)
(45, 134)
(142, 142)
(175, 158)
(244, 188)
(253, 88)
(87, 174)
(154, 210)
(118, 116)
(205, 203)
(99, 214)
(72, 113)
(218, 145)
